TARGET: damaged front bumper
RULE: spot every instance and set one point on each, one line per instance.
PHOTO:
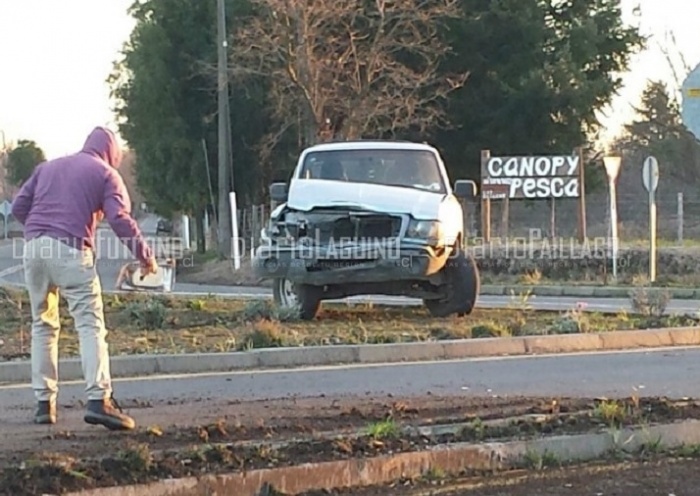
(323, 265)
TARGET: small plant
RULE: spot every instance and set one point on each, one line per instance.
(265, 310)
(383, 429)
(651, 447)
(265, 334)
(148, 315)
(531, 277)
(136, 459)
(611, 412)
(14, 299)
(196, 305)
(520, 302)
(479, 429)
(649, 302)
(689, 451)
(491, 330)
(540, 461)
(434, 474)
(114, 301)
(573, 321)
(640, 280)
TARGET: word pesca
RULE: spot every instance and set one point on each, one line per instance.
(530, 187)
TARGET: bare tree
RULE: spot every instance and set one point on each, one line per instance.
(349, 69)
(676, 61)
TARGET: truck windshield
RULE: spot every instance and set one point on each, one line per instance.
(418, 169)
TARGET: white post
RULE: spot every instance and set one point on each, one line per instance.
(186, 232)
(680, 218)
(235, 246)
(650, 178)
(613, 226)
(652, 235)
(612, 167)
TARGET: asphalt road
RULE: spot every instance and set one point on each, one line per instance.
(111, 253)
(672, 372)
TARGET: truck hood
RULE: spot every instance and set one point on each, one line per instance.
(306, 194)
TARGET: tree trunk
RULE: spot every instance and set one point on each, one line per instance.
(201, 234)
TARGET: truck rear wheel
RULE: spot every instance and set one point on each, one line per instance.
(463, 283)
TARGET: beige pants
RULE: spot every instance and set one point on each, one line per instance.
(49, 267)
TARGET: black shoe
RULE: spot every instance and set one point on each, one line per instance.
(45, 413)
(108, 413)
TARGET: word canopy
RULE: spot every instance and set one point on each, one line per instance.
(531, 177)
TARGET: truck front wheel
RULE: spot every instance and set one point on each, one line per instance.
(303, 297)
(462, 287)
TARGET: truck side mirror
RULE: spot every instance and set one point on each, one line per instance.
(465, 189)
(278, 192)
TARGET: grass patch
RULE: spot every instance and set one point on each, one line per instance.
(139, 324)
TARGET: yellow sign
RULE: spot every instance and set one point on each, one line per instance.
(694, 92)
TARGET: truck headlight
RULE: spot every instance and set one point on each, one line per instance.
(429, 230)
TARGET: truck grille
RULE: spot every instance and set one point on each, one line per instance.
(365, 227)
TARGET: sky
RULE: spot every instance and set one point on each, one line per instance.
(57, 56)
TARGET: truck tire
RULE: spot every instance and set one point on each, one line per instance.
(462, 287)
(304, 297)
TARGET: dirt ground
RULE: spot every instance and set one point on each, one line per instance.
(662, 476)
(177, 440)
(148, 324)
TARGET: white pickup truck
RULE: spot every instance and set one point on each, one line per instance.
(369, 218)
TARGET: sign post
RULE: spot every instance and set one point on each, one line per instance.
(612, 167)
(5, 211)
(650, 178)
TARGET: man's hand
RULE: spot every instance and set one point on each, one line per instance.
(150, 266)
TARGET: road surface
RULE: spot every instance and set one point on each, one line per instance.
(669, 372)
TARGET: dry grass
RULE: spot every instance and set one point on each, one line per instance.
(146, 324)
(206, 269)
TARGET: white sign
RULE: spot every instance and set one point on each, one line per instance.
(529, 187)
(532, 166)
(5, 209)
(690, 109)
(612, 166)
(650, 174)
(531, 177)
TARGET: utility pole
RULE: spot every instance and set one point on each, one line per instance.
(224, 218)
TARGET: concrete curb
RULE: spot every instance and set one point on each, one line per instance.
(272, 358)
(449, 459)
(583, 291)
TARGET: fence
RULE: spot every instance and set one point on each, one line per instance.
(678, 218)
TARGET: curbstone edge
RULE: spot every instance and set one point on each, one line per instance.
(449, 459)
(271, 358)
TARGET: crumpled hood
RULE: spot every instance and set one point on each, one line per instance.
(103, 143)
(306, 194)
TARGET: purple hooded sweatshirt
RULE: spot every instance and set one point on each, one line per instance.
(64, 198)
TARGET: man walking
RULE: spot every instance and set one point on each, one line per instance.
(60, 206)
